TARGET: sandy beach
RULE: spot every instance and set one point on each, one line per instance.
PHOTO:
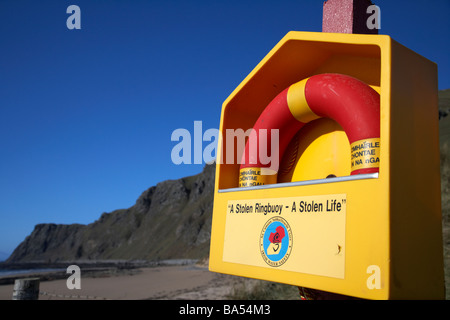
(192, 282)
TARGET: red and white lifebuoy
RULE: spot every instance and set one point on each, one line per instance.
(348, 101)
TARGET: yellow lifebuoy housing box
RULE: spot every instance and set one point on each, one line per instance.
(373, 236)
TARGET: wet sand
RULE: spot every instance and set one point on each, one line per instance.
(166, 282)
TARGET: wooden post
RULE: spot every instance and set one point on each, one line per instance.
(26, 289)
(346, 16)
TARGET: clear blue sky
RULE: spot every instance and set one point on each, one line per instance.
(86, 115)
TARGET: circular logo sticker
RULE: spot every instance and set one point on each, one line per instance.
(275, 241)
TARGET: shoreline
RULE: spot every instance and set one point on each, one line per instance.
(91, 268)
(94, 263)
(165, 281)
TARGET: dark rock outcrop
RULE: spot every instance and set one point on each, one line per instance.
(169, 220)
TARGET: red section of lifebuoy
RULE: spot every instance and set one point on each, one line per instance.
(275, 116)
(348, 101)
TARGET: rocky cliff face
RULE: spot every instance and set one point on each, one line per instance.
(169, 220)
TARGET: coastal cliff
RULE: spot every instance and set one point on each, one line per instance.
(169, 220)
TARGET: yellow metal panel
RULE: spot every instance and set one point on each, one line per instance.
(416, 245)
(387, 241)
